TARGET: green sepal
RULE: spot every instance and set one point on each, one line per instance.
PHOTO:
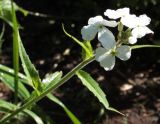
(85, 55)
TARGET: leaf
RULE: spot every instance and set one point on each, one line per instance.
(6, 107)
(69, 113)
(86, 56)
(7, 79)
(47, 81)
(144, 46)
(29, 69)
(10, 71)
(86, 49)
(51, 79)
(93, 86)
(5, 11)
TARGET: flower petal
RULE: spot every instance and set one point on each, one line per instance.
(124, 52)
(107, 61)
(143, 20)
(89, 32)
(109, 23)
(106, 38)
(100, 53)
(112, 14)
(139, 32)
(132, 40)
(115, 14)
(123, 11)
(95, 20)
(129, 21)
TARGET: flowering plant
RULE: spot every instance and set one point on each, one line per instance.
(130, 28)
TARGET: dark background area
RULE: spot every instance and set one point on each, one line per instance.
(132, 87)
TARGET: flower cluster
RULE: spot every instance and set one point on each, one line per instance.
(136, 27)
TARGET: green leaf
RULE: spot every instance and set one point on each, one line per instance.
(86, 56)
(10, 71)
(9, 107)
(144, 46)
(51, 79)
(93, 86)
(6, 11)
(7, 79)
(29, 69)
(86, 49)
(69, 113)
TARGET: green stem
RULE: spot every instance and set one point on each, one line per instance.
(144, 46)
(62, 81)
(15, 51)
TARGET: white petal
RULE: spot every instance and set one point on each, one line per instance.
(115, 14)
(144, 20)
(95, 20)
(106, 38)
(124, 52)
(107, 61)
(109, 23)
(100, 53)
(123, 11)
(89, 32)
(112, 14)
(132, 40)
(129, 21)
(139, 32)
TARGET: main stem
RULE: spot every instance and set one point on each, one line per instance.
(15, 52)
(34, 100)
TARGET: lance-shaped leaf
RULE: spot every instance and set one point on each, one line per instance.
(93, 86)
(29, 69)
(7, 107)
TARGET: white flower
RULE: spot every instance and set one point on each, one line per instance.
(115, 14)
(133, 21)
(138, 25)
(106, 55)
(96, 25)
(129, 21)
